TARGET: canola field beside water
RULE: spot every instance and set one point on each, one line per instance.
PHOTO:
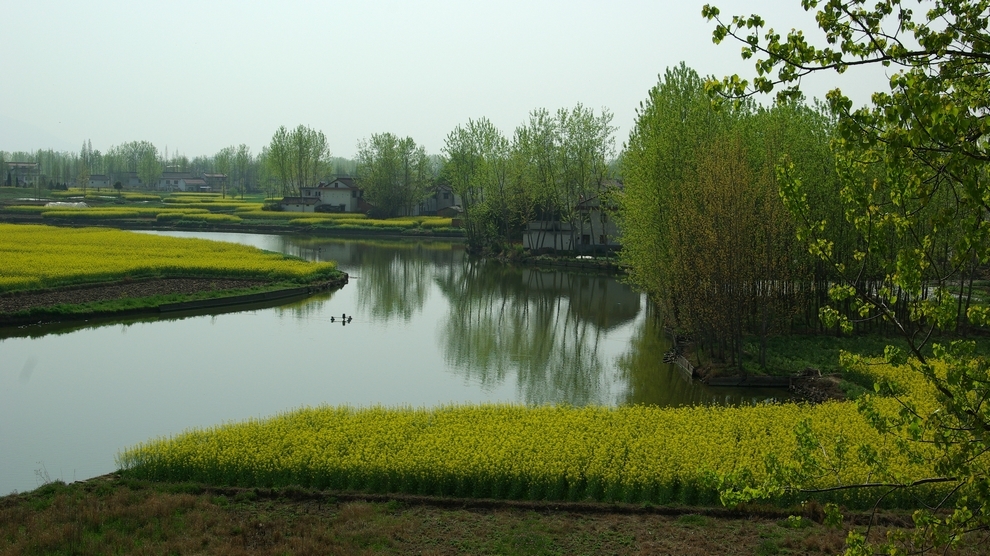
(632, 454)
(209, 211)
(42, 256)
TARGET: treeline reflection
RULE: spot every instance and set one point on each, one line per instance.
(651, 381)
(545, 327)
(393, 278)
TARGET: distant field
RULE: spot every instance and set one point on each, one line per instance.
(192, 208)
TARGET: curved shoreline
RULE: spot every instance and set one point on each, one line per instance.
(41, 315)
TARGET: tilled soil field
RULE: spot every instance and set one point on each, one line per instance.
(12, 303)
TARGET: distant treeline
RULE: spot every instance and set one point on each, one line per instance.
(245, 171)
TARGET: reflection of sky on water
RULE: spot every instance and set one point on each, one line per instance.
(430, 327)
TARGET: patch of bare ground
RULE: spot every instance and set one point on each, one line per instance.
(21, 301)
(814, 387)
(113, 515)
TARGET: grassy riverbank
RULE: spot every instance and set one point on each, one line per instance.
(147, 297)
(113, 515)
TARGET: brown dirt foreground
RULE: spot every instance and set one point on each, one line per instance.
(113, 515)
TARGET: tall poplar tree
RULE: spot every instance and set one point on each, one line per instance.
(149, 168)
(671, 126)
(477, 161)
(394, 173)
(298, 158)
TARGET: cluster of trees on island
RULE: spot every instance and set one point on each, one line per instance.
(717, 196)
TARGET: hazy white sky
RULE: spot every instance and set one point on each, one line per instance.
(198, 75)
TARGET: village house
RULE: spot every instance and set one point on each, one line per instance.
(215, 181)
(99, 181)
(21, 174)
(550, 235)
(594, 228)
(441, 202)
(182, 181)
(343, 195)
(340, 195)
(299, 204)
(131, 180)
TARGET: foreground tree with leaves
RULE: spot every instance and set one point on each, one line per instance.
(915, 187)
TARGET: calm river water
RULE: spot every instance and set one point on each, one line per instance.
(430, 326)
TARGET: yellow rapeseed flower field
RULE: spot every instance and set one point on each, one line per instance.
(102, 212)
(634, 454)
(256, 214)
(44, 256)
(92, 193)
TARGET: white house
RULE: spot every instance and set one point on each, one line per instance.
(182, 181)
(99, 180)
(340, 195)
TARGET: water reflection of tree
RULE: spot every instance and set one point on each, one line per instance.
(393, 278)
(306, 308)
(651, 381)
(393, 284)
(300, 308)
(543, 326)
